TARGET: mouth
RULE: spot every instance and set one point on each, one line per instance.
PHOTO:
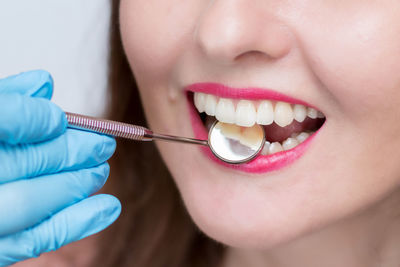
(290, 124)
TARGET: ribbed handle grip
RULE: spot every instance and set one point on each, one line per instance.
(117, 129)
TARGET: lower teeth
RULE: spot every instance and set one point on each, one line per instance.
(271, 148)
(291, 142)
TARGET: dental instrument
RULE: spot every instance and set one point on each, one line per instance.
(229, 143)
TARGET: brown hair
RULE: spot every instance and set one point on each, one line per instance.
(154, 229)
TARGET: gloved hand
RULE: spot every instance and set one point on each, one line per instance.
(47, 173)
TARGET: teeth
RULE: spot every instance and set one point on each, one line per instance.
(265, 113)
(300, 112)
(225, 111)
(265, 150)
(301, 137)
(320, 115)
(283, 114)
(231, 131)
(312, 113)
(290, 143)
(245, 113)
(199, 101)
(250, 136)
(210, 105)
(275, 147)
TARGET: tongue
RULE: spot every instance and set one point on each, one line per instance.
(275, 133)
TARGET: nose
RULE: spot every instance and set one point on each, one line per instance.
(232, 29)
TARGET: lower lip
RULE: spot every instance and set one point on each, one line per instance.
(261, 164)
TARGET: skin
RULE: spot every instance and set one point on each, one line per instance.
(339, 203)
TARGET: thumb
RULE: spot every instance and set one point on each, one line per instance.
(36, 83)
(76, 222)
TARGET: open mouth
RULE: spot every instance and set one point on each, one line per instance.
(289, 125)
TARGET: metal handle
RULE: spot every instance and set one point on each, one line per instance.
(117, 129)
(124, 130)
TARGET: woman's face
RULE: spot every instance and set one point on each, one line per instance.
(339, 57)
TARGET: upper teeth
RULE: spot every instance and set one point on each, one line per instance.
(246, 112)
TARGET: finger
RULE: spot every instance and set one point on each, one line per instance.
(78, 221)
(37, 83)
(73, 150)
(27, 202)
(24, 119)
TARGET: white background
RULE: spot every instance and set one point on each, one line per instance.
(68, 38)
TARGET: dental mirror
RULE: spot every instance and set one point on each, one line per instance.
(228, 142)
(235, 144)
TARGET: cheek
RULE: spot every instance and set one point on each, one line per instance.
(146, 44)
(358, 58)
(155, 33)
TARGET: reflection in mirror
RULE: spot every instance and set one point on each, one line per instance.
(235, 144)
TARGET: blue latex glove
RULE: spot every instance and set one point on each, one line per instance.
(47, 173)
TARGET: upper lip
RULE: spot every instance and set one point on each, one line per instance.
(250, 93)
